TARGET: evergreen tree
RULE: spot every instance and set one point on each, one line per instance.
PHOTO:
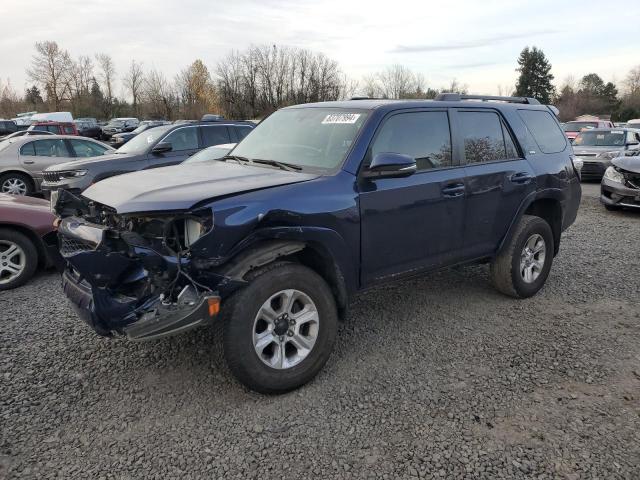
(33, 97)
(535, 77)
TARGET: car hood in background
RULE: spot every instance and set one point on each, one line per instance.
(182, 186)
(85, 162)
(24, 202)
(590, 151)
(631, 164)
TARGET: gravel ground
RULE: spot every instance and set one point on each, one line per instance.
(440, 377)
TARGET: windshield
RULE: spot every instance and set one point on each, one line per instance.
(577, 126)
(610, 138)
(115, 123)
(317, 139)
(143, 126)
(141, 143)
(211, 153)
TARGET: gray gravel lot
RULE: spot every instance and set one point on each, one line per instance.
(439, 377)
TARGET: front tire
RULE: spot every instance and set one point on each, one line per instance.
(18, 259)
(522, 267)
(280, 329)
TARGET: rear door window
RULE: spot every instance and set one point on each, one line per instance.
(484, 137)
(27, 149)
(545, 130)
(68, 129)
(50, 148)
(215, 135)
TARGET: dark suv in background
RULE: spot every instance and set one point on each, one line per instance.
(319, 202)
(153, 148)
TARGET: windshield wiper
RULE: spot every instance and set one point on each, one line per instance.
(235, 157)
(282, 165)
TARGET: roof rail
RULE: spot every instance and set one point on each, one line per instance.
(456, 97)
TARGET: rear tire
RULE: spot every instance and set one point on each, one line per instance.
(18, 259)
(16, 184)
(263, 352)
(522, 267)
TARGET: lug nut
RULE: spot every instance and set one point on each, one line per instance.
(292, 322)
(282, 338)
(290, 333)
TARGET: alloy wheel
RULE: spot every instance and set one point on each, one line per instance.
(285, 329)
(12, 261)
(14, 186)
(532, 258)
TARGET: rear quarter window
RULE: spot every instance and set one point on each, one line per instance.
(545, 130)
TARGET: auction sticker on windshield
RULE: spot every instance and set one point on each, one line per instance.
(341, 118)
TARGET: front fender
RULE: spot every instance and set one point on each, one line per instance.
(319, 238)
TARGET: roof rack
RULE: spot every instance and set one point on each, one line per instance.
(456, 97)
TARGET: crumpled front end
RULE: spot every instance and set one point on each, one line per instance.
(136, 274)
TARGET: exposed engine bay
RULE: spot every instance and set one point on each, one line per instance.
(138, 270)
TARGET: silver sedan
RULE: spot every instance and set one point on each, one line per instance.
(23, 159)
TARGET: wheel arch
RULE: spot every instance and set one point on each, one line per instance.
(546, 205)
(310, 253)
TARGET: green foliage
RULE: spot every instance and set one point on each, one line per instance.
(535, 75)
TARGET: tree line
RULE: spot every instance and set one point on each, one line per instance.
(587, 95)
(260, 79)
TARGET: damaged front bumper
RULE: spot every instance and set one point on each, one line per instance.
(134, 290)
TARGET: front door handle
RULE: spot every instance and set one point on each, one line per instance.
(453, 190)
(520, 177)
(29, 162)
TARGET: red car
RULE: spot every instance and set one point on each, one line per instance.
(572, 129)
(25, 222)
(59, 128)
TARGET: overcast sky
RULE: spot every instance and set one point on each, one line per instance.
(476, 42)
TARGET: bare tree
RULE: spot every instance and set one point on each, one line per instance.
(134, 82)
(51, 69)
(261, 79)
(632, 81)
(158, 95)
(107, 77)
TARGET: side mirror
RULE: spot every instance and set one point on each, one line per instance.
(390, 165)
(162, 147)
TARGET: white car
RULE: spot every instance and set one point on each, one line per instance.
(23, 159)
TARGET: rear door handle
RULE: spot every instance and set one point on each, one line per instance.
(520, 177)
(29, 162)
(453, 190)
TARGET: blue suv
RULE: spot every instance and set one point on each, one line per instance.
(318, 202)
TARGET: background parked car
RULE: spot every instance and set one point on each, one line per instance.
(212, 153)
(119, 139)
(23, 159)
(597, 147)
(119, 125)
(156, 147)
(89, 129)
(7, 127)
(572, 129)
(22, 133)
(24, 221)
(59, 128)
(620, 186)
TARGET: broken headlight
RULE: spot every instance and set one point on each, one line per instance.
(176, 232)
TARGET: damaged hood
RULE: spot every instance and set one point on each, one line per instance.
(181, 186)
(630, 164)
